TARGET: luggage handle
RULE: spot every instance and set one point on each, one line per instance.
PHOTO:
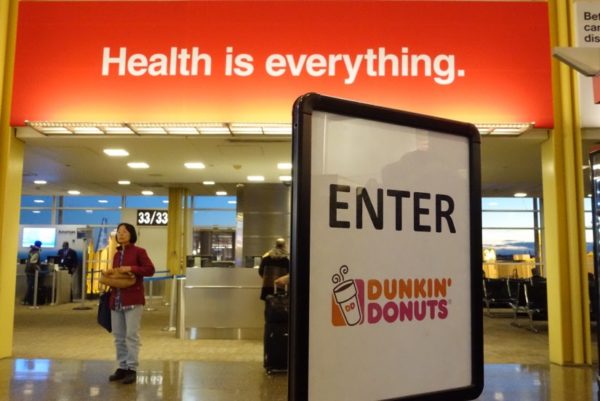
(285, 288)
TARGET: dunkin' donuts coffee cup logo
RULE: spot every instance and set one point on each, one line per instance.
(376, 301)
(346, 296)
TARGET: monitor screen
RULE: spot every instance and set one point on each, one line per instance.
(47, 235)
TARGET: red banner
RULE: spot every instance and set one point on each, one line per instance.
(243, 61)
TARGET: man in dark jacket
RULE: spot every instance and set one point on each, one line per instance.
(67, 258)
(32, 265)
(274, 264)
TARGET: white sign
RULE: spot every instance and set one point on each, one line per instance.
(390, 283)
(587, 34)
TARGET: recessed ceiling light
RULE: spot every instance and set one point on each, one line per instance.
(208, 182)
(284, 166)
(221, 193)
(285, 178)
(255, 178)
(147, 193)
(73, 192)
(520, 195)
(38, 201)
(124, 182)
(116, 152)
(194, 165)
(138, 165)
(40, 182)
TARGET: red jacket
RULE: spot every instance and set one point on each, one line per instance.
(141, 266)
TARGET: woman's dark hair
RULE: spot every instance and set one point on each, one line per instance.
(132, 233)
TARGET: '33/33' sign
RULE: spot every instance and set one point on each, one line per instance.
(149, 217)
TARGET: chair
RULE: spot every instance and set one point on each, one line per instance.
(495, 294)
(518, 301)
(536, 301)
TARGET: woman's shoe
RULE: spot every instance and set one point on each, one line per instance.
(119, 374)
(130, 377)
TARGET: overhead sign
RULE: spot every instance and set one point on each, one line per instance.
(207, 61)
(587, 34)
(386, 255)
(152, 217)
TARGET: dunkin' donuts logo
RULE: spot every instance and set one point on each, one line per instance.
(375, 301)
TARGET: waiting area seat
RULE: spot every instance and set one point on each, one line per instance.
(496, 294)
(532, 300)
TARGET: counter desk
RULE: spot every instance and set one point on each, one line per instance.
(222, 303)
(57, 280)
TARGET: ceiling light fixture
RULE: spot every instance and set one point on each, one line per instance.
(509, 129)
(520, 195)
(255, 178)
(116, 152)
(208, 182)
(285, 178)
(138, 165)
(220, 193)
(38, 201)
(124, 182)
(194, 165)
(73, 192)
(284, 166)
(102, 201)
(147, 193)
(40, 182)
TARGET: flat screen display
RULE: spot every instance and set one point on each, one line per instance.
(47, 235)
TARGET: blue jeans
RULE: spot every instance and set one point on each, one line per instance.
(126, 329)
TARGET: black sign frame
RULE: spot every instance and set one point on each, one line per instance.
(300, 236)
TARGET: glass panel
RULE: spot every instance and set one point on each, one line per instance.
(587, 204)
(507, 219)
(214, 202)
(589, 241)
(507, 203)
(91, 216)
(91, 201)
(155, 202)
(36, 201)
(587, 218)
(509, 242)
(214, 218)
(36, 216)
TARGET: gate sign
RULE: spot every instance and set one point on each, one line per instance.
(386, 262)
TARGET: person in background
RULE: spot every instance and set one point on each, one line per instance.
(274, 264)
(127, 304)
(67, 258)
(32, 265)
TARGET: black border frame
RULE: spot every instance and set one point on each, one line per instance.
(595, 297)
(303, 109)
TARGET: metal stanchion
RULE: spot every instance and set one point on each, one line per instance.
(83, 279)
(54, 280)
(180, 308)
(35, 290)
(149, 307)
(171, 326)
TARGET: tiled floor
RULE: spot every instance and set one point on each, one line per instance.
(71, 380)
(60, 354)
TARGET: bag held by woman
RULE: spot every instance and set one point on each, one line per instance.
(104, 311)
(116, 279)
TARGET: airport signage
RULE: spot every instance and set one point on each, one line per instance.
(173, 61)
(152, 217)
(386, 255)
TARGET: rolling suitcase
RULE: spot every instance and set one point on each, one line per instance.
(276, 332)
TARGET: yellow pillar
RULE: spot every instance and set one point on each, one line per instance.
(568, 316)
(11, 173)
(177, 230)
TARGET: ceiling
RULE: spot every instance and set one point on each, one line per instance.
(509, 164)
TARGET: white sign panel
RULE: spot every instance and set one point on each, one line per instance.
(587, 34)
(390, 283)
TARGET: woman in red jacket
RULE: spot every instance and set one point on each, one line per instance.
(127, 304)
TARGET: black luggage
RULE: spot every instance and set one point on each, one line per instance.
(276, 332)
(276, 347)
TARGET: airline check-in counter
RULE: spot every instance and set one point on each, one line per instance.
(221, 303)
(55, 283)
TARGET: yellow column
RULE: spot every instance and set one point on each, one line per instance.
(568, 317)
(11, 173)
(177, 230)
